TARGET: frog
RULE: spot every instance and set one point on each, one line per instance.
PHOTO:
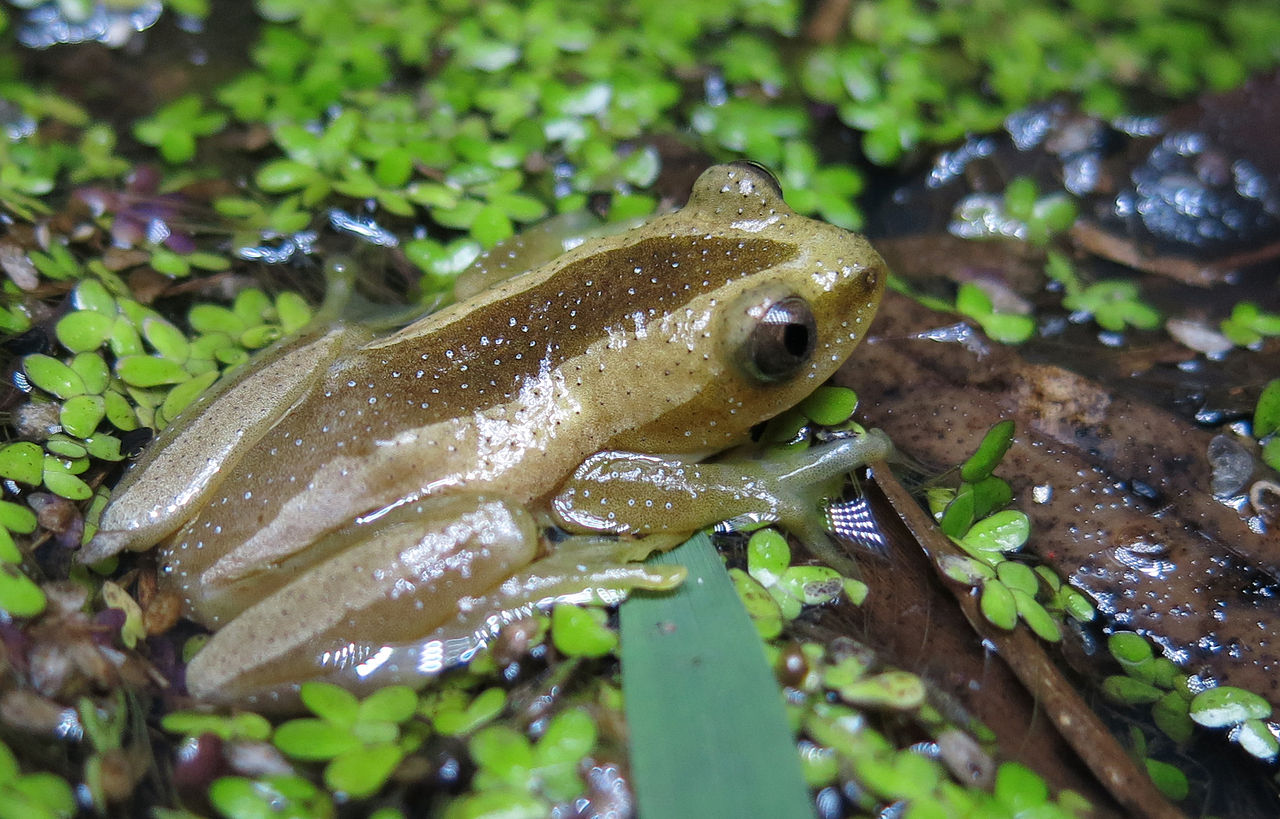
(368, 506)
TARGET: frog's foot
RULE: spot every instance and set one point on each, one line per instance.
(629, 492)
(806, 480)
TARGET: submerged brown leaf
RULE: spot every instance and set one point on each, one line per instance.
(1169, 560)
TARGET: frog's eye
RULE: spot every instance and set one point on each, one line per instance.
(782, 340)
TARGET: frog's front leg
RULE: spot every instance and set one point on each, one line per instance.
(419, 589)
(625, 492)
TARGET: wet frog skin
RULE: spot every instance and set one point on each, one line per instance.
(370, 509)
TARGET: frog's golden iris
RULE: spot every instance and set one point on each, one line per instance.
(368, 509)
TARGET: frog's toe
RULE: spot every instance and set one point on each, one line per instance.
(104, 545)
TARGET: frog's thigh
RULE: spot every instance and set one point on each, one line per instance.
(630, 492)
(399, 579)
(185, 464)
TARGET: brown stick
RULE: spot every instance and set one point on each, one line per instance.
(1024, 654)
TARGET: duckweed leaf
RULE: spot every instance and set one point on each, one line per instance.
(1034, 615)
(1266, 416)
(456, 720)
(67, 485)
(1170, 715)
(52, 376)
(255, 338)
(1248, 324)
(893, 689)
(22, 462)
(503, 754)
(374, 732)
(1020, 197)
(66, 446)
(830, 406)
(293, 310)
(252, 306)
(208, 261)
(166, 339)
(768, 556)
(1171, 781)
(1019, 788)
(125, 339)
(362, 772)
(93, 372)
(760, 605)
(246, 725)
(1004, 531)
(570, 735)
(984, 460)
(149, 371)
(183, 394)
(19, 595)
(8, 549)
(1077, 605)
(1271, 453)
(855, 590)
(958, 516)
(581, 632)
(1129, 649)
(91, 295)
(1018, 576)
(897, 776)
(393, 704)
(998, 605)
(38, 795)
(698, 639)
(268, 797)
(117, 598)
(81, 415)
(17, 518)
(119, 411)
(965, 570)
(84, 330)
(169, 263)
(1227, 705)
(314, 739)
(989, 494)
(330, 702)
(213, 318)
(1256, 738)
(505, 802)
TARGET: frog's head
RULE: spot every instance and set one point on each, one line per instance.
(776, 302)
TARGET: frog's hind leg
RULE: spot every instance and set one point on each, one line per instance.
(420, 588)
(582, 569)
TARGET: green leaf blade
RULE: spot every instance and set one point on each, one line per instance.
(699, 641)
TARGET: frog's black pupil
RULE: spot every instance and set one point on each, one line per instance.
(796, 339)
(781, 344)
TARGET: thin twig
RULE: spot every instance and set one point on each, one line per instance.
(1025, 655)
